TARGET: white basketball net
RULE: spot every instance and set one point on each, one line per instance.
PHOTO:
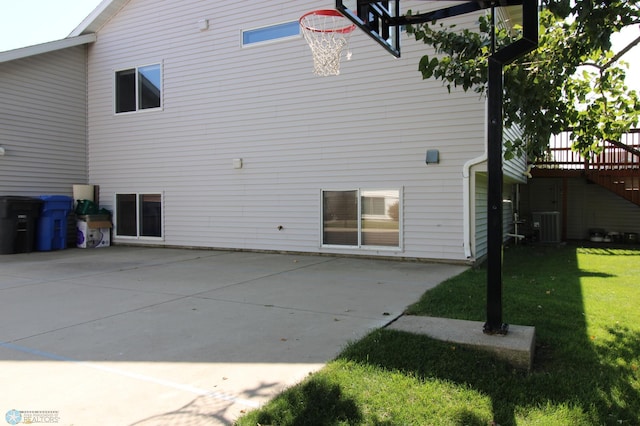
(327, 33)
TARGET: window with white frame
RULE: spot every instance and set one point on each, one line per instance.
(270, 33)
(138, 89)
(139, 215)
(361, 218)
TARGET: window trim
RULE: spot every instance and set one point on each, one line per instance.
(270, 40)
(360, 245)
(136, 69)
(138, 222)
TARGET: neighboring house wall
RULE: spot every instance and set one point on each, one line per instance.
(480, 221)
(589, 206)
(513, 171)
(43, 123)
(297, 134)
(514, 168)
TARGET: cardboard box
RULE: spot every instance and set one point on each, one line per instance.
(94, 234)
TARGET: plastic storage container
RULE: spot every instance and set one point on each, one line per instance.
(52, 224)
(18, 223)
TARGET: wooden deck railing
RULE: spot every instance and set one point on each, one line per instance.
(616, 167)
(623, 155)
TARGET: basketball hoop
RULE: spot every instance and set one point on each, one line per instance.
(327, 33)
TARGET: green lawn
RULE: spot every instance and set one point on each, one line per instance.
(585, 305)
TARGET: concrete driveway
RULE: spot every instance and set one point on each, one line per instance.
(151, 336)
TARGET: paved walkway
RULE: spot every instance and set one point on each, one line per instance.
(150, 336)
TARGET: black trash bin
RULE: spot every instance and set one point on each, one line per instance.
(18, 223)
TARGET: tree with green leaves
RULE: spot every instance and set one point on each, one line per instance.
(573, 80)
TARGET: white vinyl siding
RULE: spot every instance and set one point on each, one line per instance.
(43, 123)
(296, 133)
(514, 168)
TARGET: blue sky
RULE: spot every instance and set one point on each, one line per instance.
(632, 57)
(28, 22)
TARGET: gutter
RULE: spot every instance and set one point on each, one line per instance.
(466, 193)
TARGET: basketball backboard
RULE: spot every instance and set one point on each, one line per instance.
(375, 18)
(383, 20)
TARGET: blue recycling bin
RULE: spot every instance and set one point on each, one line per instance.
(52, 224)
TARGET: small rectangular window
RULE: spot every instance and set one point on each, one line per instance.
(361, 218)
(138, 89)
(270, 33)
(139, 215)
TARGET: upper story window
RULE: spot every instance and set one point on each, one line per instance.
(270, 33)
(138, 88)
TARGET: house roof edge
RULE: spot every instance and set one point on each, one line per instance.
(52, 46)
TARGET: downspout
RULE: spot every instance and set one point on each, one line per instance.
(466, 192)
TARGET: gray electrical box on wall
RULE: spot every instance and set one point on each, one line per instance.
(433, 156)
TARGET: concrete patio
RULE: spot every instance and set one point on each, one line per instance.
(146, 336)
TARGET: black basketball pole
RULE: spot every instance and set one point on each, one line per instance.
(497, 60)
(494, 200)
(494, 322)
